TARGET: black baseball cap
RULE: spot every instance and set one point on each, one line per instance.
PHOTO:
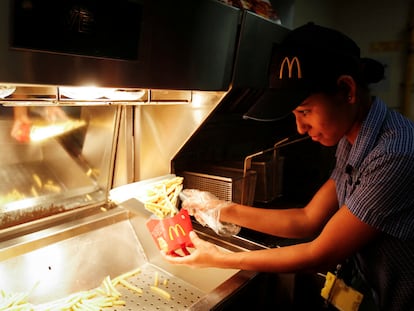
(308, 60)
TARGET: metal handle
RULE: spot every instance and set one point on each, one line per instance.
(281, 143)
(248, 159)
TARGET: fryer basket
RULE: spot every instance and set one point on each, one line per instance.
(258, 180)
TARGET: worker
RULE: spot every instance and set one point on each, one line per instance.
(362, 217)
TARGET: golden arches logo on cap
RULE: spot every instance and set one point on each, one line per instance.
(289, 63)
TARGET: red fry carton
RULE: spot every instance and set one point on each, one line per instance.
(171, 234)
(23, 133)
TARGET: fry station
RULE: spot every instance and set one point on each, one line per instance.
(104, 101)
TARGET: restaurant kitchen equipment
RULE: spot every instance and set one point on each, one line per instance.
(168, 78)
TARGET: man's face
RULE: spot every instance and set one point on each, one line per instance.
(325, 118)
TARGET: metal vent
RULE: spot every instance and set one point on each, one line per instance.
(220, 186)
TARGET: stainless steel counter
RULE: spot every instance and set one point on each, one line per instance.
(77, 255)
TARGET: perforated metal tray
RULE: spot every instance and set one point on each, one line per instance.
(183, 294)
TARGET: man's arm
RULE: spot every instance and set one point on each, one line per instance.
(290, 223)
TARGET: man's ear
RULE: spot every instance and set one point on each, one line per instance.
(347, 87)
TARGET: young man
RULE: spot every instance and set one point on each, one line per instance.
(365, 210)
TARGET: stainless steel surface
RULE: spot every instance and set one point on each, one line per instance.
(76, 248)
(205, 279)
(59, 174)
(51, 95)
(161, 130)
(20, 176)
(77, 255)
(124, 171)
(184, 61)
(215, 284)
(184, 295)
(71, 257)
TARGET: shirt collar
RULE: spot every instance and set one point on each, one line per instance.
(367, 135)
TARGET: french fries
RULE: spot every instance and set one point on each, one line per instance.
(13, 195)
(162, 197)
(104, 296)
(159, 291)
(131, 287)
(38, 188)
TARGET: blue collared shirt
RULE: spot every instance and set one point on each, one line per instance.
(375, 180)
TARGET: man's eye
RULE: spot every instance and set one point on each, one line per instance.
(304, 112)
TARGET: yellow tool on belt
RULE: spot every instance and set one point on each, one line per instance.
(340, 295)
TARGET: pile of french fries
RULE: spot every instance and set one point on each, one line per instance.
(104, 296)
(162, 197)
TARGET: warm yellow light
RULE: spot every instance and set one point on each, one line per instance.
(93, 92)
(39, 133)
(124, 94)
(197, 100)
(83, 92)
(6, 90)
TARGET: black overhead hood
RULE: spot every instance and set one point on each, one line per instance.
(183, 45)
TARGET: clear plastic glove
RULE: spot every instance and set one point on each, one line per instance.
(206, 207)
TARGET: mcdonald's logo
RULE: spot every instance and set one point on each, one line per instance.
(175, 229)
(290, 63)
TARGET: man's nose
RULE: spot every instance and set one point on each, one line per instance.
(302, 127)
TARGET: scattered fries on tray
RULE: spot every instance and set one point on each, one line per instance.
(104, 296)
(162, 197)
